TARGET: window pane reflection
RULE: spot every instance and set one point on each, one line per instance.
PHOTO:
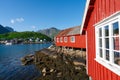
(116, 43)
(107, 55)
(100, 32)
(117, 57)
(106, 31)
(115, 29)
(100, 42)
(107, 43)
(101, 54)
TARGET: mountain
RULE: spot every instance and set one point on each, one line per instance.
(10, 29)
(51, 32)
(5, 29)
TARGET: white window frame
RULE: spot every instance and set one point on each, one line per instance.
(107, 63)
(72, 39)
(65, 39)
(61, 39)
(57, 39)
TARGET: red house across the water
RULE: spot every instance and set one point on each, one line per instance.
(101, 24)
(71, 38)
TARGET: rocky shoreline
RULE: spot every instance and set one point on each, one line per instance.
(57, 66)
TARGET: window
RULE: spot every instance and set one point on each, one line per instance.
(72, 39)
(61, 39)
(107, 41)
(115, 42)
(65, 39)
(57, 39)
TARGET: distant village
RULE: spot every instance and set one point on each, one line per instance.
(23, 41)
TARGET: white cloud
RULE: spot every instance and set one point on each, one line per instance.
(33, 27)
(17, 20)
(12, 21)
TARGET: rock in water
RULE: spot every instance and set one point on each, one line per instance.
(27, 59)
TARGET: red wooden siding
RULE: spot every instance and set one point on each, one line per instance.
(79, 42)
(102, 9)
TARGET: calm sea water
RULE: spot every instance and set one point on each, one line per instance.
(10, 64)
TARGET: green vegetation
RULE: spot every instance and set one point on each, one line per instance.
(23, 35)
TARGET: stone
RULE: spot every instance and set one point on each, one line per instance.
(76, 63)
(44, 70)
(51, 70)
(58, 66)
(59, 74)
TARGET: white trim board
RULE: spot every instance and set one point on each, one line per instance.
(84, 16)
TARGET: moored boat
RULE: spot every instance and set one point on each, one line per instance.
(8, 43)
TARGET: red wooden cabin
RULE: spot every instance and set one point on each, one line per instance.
(70, 38)
(101, 22)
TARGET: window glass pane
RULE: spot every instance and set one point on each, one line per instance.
(65, 39)
(106, 30)
(100, 42)
(100, 32)
(101, 53)
(107, 54)
(117, 58)
(115, 29)
(73, 39)
(116, 43)
(107, 43)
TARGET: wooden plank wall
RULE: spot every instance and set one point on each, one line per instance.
(102, 9)
(80, 42)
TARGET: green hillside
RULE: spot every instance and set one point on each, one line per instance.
(23, 35)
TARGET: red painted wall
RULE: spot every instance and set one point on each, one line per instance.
(79, 42)
(102, 9)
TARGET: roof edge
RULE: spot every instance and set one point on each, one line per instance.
(84, 16)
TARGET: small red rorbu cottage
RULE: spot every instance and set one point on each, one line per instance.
(70, 38)
(101, 22)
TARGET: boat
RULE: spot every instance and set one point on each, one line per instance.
(8, 43)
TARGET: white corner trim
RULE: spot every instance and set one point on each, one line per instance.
(109, 18)
(109, 66)
(84, 16)
(86, 54)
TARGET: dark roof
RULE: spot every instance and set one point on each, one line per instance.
(70, 31)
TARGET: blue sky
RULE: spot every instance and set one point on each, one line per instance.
(32, 15)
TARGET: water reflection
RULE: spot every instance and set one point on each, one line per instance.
(10, 64)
